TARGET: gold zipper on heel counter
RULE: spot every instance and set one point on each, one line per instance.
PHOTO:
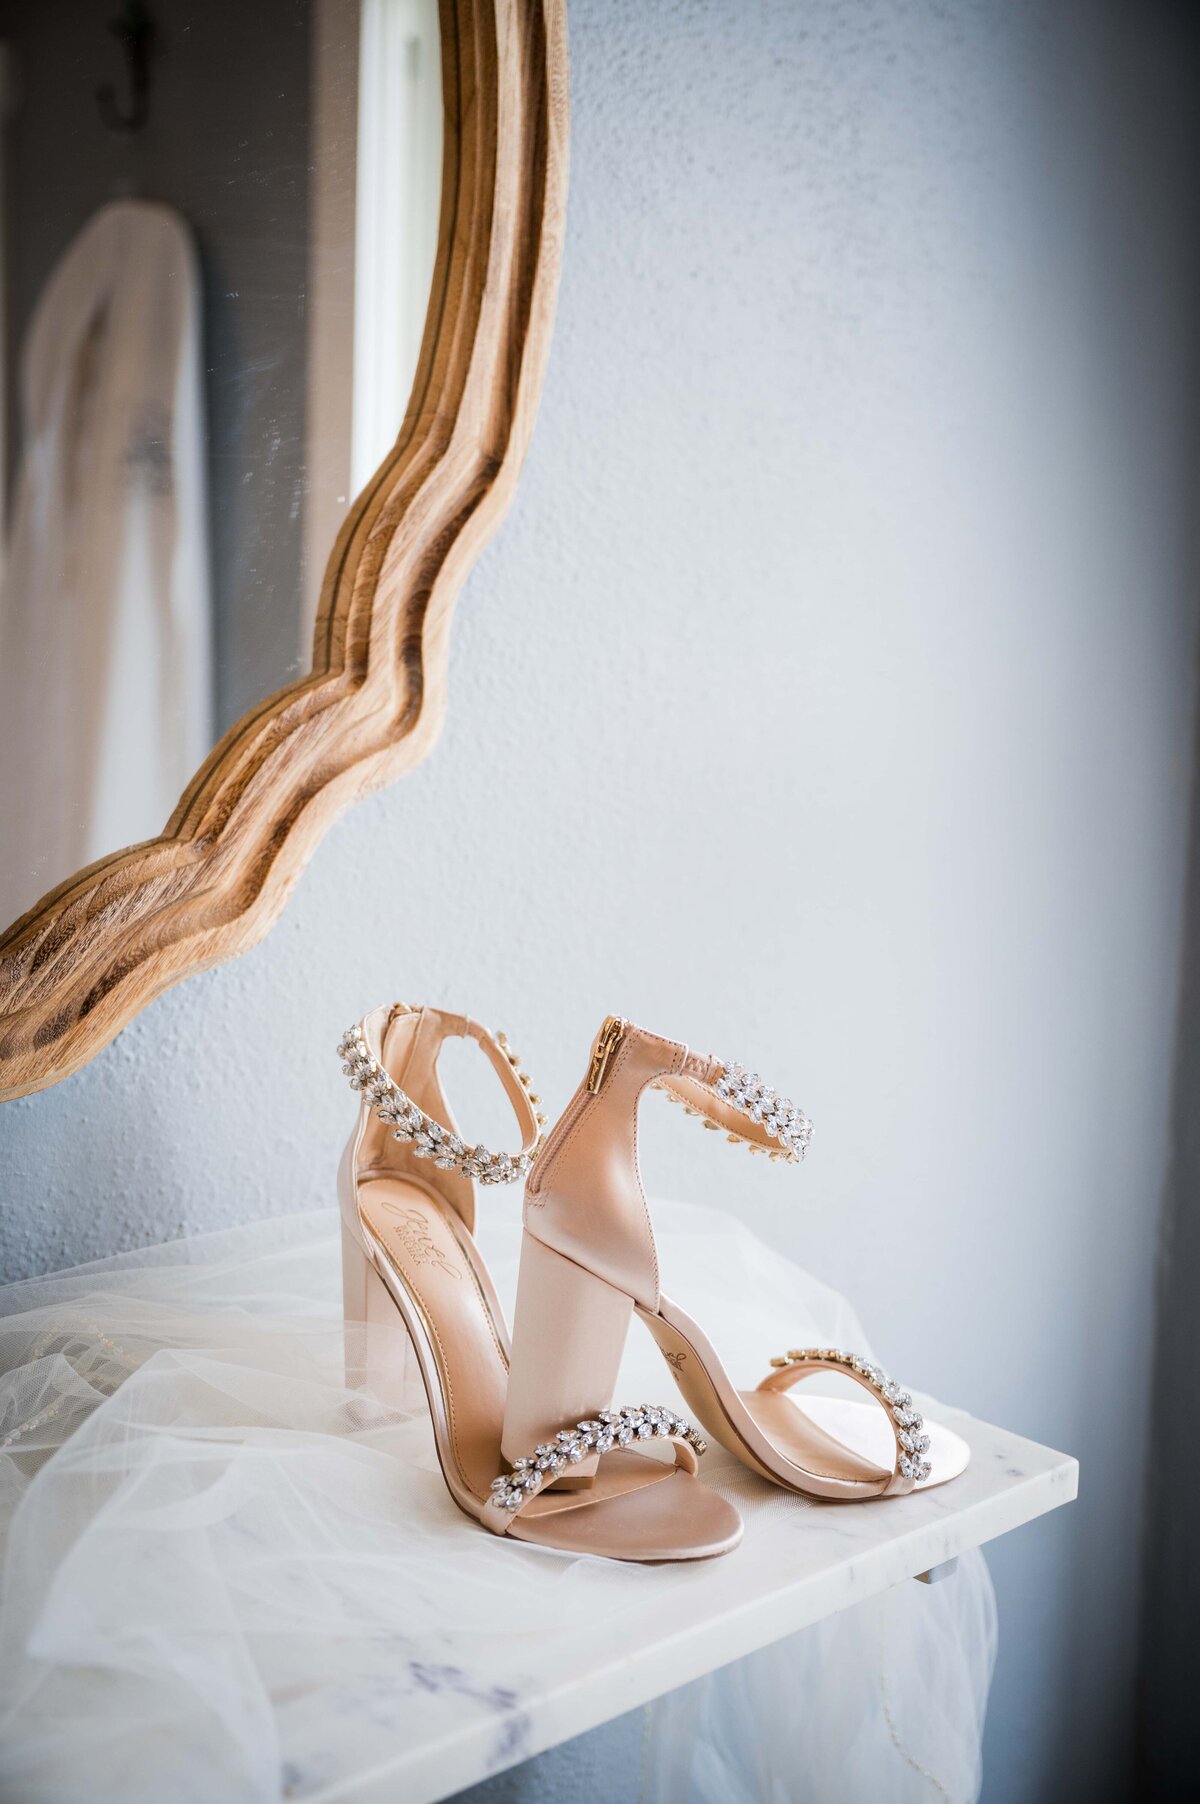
(611, 1035)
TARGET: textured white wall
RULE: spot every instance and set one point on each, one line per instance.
(825, 701)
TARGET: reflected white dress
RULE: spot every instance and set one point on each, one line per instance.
(226, 1577)
(105, 627)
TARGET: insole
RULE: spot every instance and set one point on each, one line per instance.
(864, 1428)
(832, 1437)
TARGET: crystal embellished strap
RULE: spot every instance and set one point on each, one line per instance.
(772, 1114)
(907, 1422)
(608, 1429)
(745, 1093)
(778, 1117)
(428, 1138)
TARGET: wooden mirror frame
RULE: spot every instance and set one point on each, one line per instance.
(96, 950)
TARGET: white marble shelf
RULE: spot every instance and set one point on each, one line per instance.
(455, 1718)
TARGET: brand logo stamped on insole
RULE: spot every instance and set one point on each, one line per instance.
(674, 1359)
(412, 1229)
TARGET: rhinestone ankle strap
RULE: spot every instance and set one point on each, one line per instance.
(428, 1138)
(773, 1113)
(778, 1118)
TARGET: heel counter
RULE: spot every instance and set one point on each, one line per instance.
(585, 1198)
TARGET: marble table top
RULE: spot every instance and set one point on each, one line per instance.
(636, 1632)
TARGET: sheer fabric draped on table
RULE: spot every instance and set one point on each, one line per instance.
(227, 1576)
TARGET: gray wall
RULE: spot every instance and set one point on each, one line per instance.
(826, 700)
(1168, 1738)
(226, 144)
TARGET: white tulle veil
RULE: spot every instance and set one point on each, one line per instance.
(218, 1559)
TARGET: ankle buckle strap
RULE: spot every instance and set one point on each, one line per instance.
(430, 1139)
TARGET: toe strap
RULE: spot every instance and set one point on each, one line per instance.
(912, 1465)
(597, 1435)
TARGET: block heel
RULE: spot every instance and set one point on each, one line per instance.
(377, 1349)
(566, 1352)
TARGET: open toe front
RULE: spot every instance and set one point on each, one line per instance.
(841, 1449)
(882, 1447)
(635, 1507)
(633, 1514)
(840, 1439)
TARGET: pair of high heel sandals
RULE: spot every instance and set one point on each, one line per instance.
(527, 1435)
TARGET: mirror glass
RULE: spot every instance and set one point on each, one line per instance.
(218, 224)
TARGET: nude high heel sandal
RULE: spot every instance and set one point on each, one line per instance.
(589, 1262)
(406, 1185)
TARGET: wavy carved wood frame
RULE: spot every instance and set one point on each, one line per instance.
(101, 946)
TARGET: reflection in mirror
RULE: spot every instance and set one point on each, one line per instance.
(213, 313)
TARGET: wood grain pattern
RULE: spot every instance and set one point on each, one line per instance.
(101, 946)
